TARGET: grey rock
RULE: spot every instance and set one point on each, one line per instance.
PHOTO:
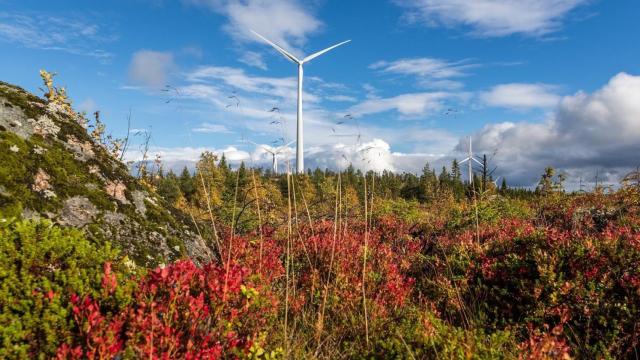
(13, 119)
(138, 200)
(77, 211)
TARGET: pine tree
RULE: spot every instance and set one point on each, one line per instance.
(187, 184)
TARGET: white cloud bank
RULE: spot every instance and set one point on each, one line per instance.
(586, 133)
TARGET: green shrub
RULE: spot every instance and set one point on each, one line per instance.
(41, 265)
(422, 335)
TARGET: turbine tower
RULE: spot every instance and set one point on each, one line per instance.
(300, 134)
(274, 154)
(470, 158)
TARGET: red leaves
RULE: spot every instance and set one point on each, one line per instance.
(178, 311)
(109, 281)
(338, 261)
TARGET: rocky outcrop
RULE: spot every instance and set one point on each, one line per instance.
(50, 167)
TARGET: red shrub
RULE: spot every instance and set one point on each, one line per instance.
(178, 311)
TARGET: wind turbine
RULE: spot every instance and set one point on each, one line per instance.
(290, 57)
(470, 158)
(274, 153)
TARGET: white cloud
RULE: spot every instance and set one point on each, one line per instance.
(521, 96)
(209, 128)
(69, 34)
(239, 79)
(587, 133)
(373, 155)
(286, 22)
(254, 59)
(341, 98)
(493, 18)
(187, 155)
(431, 72)
(411, 104)
(151, 68)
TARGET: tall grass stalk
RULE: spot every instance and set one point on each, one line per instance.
(364, 264)
(255, 189)
(287, 259)
(320, 323)
(213, 222)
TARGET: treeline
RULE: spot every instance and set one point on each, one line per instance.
(423, 187)
(233, 196)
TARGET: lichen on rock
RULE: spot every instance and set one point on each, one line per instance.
(77, 211)
(116, 189)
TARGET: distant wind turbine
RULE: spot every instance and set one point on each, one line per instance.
(300, 135)
(470, 158)
(274, 153)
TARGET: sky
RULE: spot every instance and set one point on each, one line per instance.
(533, 83)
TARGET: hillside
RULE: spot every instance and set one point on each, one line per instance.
(50, 167)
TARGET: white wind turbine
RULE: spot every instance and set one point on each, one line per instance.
(300, 135)
(469, 159)
(274, 153)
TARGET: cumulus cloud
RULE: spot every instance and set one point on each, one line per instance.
(493, 18)
(151, 68)
(373, 155)
(521, 96)
(178, 157)
(587, 133)
(286, 22)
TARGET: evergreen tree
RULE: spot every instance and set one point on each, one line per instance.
(187, 184)
(169, 188)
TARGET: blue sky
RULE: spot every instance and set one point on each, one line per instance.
(537, 82)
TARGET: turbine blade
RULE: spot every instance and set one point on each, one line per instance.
(267, 150)
(280, 50)
(315, 55)
(284, 147)
(463, 161)
(476, 160)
